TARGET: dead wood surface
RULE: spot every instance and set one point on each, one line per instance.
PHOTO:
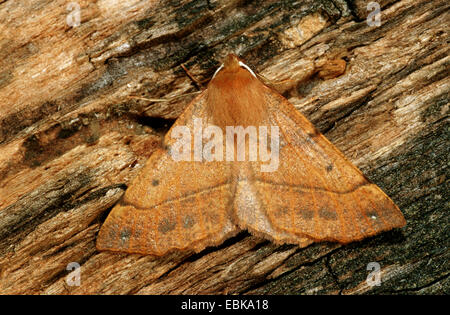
(72, 139)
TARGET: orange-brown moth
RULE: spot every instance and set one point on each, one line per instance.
(312, 194)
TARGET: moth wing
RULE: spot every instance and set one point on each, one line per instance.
(172, 204)
(315, 193)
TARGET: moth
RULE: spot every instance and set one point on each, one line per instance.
(198, 192)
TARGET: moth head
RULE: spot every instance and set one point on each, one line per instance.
(232, 64)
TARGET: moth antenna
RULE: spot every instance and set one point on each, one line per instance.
(272, 83)
(217, 71)
(248, 68)
(167, 99)
(198, 83)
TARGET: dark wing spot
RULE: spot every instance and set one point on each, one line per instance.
(125, 235)
(372, 214)
(375, 219)
(306, 214)
(329, 168)
(188, 222)
(327, 214)
(155, 182)
(282, 211)
(166, 226)
(309, 140)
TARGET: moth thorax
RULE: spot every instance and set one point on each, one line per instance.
(237, 101)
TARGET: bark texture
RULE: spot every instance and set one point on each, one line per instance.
(72, 138)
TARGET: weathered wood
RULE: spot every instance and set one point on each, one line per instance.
(71, 138)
